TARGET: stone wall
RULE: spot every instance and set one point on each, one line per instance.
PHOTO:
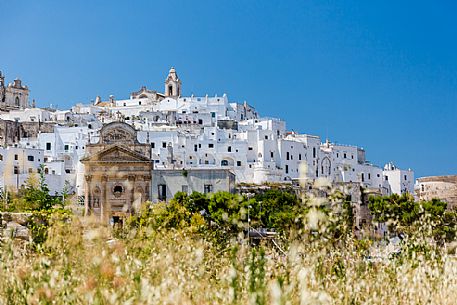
(440, 187)
(11, 132)
(15, 225)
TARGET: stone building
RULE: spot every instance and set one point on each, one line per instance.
(13, 96)
(440, 187)
(11, 132)
(166, 183)
(117, 173)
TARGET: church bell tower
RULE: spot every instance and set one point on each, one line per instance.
(172, 84)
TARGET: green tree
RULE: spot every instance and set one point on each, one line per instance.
(36, 193)
(275, 209)
(405, 215)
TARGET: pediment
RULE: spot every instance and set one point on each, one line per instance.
(117, 154)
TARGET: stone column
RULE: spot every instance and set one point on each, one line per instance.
(131, 192)
(105, 208)
(147, 187)
(87, 203)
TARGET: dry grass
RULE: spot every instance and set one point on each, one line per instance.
(86, 266)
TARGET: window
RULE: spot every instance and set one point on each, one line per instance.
(15, 157)
(363, 177)
(314, 152)
(195, 147)
(67, 171)
(337, 155)
(299, 156)
(369, 176)
(164, 144)
(162, 192)
(117, 191)
(66, 147)
(287, 156)
(249, 148)
(30, 170)
(213, 114)
(53, 172)
(207, 188)
(48, 146)
(46, 171)
(229, 149)
(17, 100)
(139, 103)
(185, 189)
(422, 187)
(238, 163)
(200, 121)
(16, 170)
(30, 158)
(266, 137)
(352, 156)
(271, 154)
(210, 145)
(406, 178)
(1, 157)
(287, 169)
(386, 178)
(344, 156)
(153, 145)
(224, 163)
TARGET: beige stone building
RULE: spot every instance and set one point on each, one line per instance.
(440, 187)
(117, 173)
(14, 95)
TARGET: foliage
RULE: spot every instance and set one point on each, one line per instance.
(167, 256)
(275, 209)
(36, 193)
(406, 216)
(82, 264)
(40, 222)
(34, 196)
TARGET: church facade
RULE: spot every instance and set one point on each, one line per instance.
(117, 173)
(14, 95)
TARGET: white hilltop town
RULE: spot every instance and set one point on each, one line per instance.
(191, 143)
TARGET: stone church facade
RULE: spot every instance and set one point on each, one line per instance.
(117, 173)
(14, 95)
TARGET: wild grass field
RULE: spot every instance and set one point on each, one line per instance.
(195, 250)
(81, 262)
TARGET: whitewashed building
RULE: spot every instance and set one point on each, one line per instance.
(205, 133)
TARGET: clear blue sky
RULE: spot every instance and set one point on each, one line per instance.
(377, 74)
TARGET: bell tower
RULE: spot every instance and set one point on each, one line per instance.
(172, 84)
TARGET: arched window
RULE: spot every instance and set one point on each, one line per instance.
(1, 157)
(170, 90)
(224, 163)
(17, 100)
